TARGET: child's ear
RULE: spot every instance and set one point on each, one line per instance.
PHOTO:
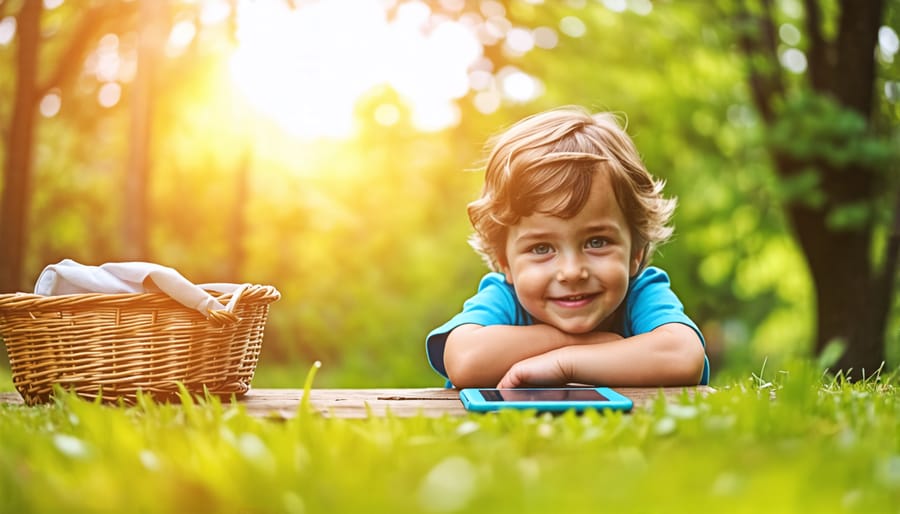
(504, 268)
(637, 259)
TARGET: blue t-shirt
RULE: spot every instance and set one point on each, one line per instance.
(650, 303)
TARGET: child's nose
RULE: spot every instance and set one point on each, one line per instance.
(571, 269)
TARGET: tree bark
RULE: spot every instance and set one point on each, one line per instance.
(848, 309)
(19, 135)
(17, 162)
(135, 208)
(237, 225)
(853, 296)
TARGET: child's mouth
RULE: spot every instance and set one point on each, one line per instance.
(574, 300)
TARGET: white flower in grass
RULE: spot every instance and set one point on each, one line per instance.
(149, 460)
(449, 486)
(467, 427)
(70, 446)
(252, 447)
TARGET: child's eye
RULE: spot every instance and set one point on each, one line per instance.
(596, 242)
(541, 249)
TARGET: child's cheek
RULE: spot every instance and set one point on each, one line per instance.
(530, 282)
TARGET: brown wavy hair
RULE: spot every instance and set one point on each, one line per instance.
(547, 163)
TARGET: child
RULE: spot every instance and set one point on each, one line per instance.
(567, 221)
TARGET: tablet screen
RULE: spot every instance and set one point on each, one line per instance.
(542, 395)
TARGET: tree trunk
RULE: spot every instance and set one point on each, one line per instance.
(17, 163)
(135, 208)
(853, 297)
(238, 223)
(849, 309)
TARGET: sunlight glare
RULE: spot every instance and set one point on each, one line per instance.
(888, 41)
(7, 30)
(519, 41)
(488, 102)
(180, 37)
(214, 11)
(572, 26)
(641, 7)
(518, 85)
(50, 104)
(615, 5)
(106, 65)
(545, 37)
(387, 115)
(306, 67)
(789, 33)
(433, 116)
(109, 94)
(794, 60)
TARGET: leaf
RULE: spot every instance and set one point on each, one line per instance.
(832, 352)
(850, 216)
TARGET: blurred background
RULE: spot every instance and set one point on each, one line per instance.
(329, 148)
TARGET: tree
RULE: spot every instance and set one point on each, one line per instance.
(18, 139)
(19, 134)
(134, 221)
(834, 163)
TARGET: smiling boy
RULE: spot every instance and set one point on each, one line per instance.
(567, 220)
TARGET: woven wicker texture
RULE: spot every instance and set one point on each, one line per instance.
(113, 345)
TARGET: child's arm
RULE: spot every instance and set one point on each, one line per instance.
(479, 356)
(669, 355)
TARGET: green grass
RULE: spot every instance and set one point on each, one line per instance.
(821, 445)
(6, 383)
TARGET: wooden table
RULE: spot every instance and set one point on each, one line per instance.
(362, 403)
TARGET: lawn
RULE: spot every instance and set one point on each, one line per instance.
(794, 440)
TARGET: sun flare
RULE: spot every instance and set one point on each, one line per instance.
(307, 66)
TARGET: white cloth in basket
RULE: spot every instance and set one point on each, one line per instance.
(70, 277)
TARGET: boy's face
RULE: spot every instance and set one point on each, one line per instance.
(573, 273)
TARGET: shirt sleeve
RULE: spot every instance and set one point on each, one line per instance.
(652, 303)
(494, 304)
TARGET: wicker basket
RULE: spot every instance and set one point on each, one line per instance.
(113, 345)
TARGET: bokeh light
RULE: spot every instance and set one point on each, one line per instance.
(306, 67)
(109, 94)
(50, 104)
(572, 26)
(793, 60)
(7, 30)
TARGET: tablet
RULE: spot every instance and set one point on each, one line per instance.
(545, 399)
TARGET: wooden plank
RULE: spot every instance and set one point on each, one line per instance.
(363, 403)
(11, 398)
(432, 402)
(355, 403)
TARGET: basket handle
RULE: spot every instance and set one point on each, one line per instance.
(226, 317)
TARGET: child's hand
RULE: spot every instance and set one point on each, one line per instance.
(553, 368)
(547, 369)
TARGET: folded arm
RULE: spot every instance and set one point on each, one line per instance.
(669, 355)
(479, 356)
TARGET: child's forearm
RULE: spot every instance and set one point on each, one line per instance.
(668, 356)
(479, 356)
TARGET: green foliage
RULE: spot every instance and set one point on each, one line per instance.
(6, 383)
(365, 238)
(754, 444)
(813, 127)
(853, 215)
(803, 188)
